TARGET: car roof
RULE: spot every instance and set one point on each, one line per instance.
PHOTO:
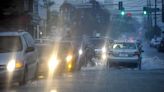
(117, 41)
(12, 33)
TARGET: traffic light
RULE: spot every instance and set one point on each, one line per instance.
(145, 10)
(162, 10)
(121, 8)
(120, 5)
(123, 12)
(129, 14)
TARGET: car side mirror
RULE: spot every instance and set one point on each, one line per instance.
(30, 49)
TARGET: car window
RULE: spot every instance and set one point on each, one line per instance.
(96, 43)
(124, 46)
(64, 47)
(29, 40)
(10, 43)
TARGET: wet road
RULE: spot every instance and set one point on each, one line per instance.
(99, 79)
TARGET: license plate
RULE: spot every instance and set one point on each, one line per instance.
(123, 55)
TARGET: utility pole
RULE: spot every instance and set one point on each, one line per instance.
(149, 17)
(48, 16)
(163, 11)
(155, 16)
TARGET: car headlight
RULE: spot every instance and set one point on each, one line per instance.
(104, 50)
(69, 58)
(52, 64)
(69, 66)
(104, 56)
(14, 64)
(11, 65)
(80, 52)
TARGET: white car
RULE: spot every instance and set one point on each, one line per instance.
(155, 42)
(18, 57)
(124, 54)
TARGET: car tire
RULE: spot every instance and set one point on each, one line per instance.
(24, 79)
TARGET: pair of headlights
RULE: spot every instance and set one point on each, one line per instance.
(13, 64)
(53, 62)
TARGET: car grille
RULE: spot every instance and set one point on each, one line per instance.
(2, 67)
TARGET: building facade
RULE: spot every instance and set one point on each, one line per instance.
(19, 14)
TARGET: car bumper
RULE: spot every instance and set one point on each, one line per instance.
(161, 48)
(134, 60)
(16, 76)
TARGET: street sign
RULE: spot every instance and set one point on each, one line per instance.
(153, 9)
(147, 9)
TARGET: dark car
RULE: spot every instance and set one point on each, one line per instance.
(57, 58)
(161, 46)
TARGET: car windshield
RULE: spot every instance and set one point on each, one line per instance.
(10, 44)
(44, 51)
(97, 43)
(124, 46)
(64, 48)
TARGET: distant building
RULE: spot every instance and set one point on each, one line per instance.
(19, 14)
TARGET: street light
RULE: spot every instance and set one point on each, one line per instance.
(41, 33)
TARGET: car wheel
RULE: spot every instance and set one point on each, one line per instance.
(24, 80)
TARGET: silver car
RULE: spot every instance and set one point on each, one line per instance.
(18, 55)
(124, 54)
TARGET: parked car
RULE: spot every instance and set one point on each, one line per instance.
(161, 46)
(18, 55)
(124, 54)
(155, 42)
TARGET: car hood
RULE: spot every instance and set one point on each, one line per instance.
(98, 50)
(6, 57)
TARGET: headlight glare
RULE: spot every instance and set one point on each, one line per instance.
(68, 58)
(104, 50)
(11, 65)
(52, 64)
(69, 66)
(104, 56)
(80, 52)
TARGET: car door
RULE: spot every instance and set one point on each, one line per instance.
(30, 56)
